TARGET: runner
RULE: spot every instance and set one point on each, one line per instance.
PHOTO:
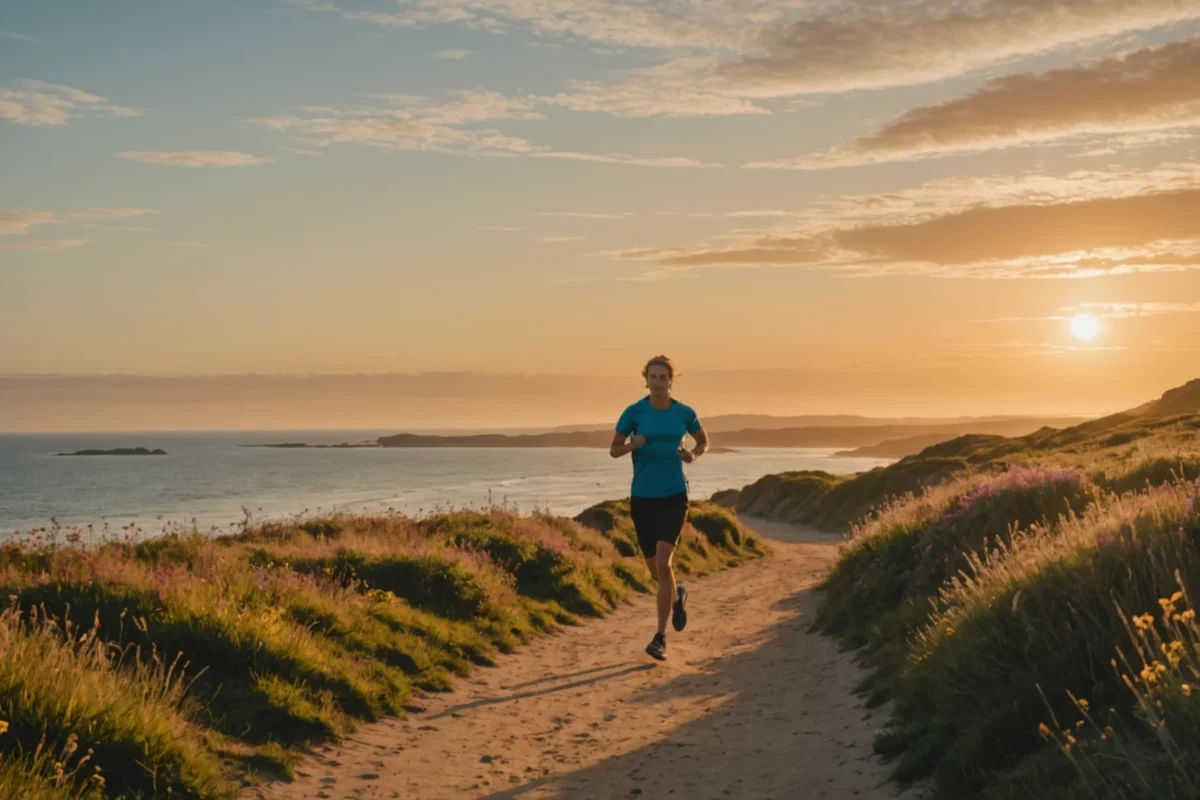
(653, 429)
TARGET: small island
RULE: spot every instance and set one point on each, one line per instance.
(120, 451)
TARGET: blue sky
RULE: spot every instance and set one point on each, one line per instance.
(525, 185)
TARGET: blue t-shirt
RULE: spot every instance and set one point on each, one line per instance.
(657, 467)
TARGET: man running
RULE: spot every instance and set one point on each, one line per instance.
(653, 429)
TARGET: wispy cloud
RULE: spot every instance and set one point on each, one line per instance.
(1153, 89)
(555, 239)
(18, 36)
(42, 104)
(649, 94)
(416, 123)
(1078, 226)
(501, 229)
(860, 45)
(44, 244)
(451, 55)
(111, 213)
(586, 214)
(622, 158)
(716, 24)
(17, 222)
(726, 53)
(122, 228)
(195, 158)
(1106, 311)
(190, 244)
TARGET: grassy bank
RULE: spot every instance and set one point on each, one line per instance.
(1028, 614)
(183, 664)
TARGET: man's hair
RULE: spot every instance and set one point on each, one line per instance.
(661, 361)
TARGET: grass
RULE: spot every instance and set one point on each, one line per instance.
(1027, 615)
(187, 664)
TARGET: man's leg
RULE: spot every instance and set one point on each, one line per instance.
(652, 565)
(664, 563)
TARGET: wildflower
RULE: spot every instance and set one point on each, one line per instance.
(3, 726)
(1043, 730)
(1173, 652)
(1082, 703)
(1186, 689)
(1144, 623)
(1151, 673)
(1188, 616)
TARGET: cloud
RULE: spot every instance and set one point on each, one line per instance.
(1106, 311)
(396, 134)
(195, 158)
(561, 239)
(418, 124)
(621, 158)
(1081, 225)
(501, 229)
(648, 97)
(302, 151)
(42, 104)
(1148, 90)
(861, 46)
(717, 24)
(125, 228)
(45, 244)
(190, 244)
(1111, 145)
(17, 222)
(111, 213)
(586, 214)
(986, 234)
(451, 55)
(18, 36)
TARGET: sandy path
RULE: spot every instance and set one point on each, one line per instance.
(747, 705)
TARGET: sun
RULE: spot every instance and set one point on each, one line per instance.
(1084, 326)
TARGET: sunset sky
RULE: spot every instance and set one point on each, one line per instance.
(876, 207)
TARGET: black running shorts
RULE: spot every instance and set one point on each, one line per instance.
(658, 519)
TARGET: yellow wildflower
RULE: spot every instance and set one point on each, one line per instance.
(1043, 730)
(1173, 652)
(1188, 616)
(3, 726)
(1083, 703)
(1168, 607)
(1144, 623)
(1152, 672)
(1186, 689)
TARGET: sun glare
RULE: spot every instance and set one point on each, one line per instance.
(1084, 326)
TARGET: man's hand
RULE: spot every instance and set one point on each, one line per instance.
(687, 455)
(637, 442)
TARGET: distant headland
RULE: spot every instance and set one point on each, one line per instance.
(297, 445)
(120, 451)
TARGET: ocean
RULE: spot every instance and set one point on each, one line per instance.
(206, 479)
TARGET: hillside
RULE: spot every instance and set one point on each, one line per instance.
(836, 501)
(1025, 605)
(810, 436)
(724, 423)
(175, 666)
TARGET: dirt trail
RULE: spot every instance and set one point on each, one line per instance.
(748, 705)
